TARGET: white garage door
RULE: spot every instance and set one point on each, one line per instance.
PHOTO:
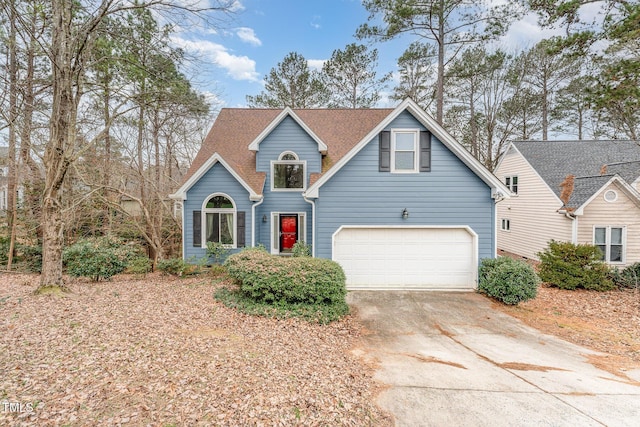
(407, 258)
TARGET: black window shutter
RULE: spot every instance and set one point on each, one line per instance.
(241, 229)
(425, 151)
(385, 151)
(197, 229)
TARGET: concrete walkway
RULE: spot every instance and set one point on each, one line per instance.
(451, 360)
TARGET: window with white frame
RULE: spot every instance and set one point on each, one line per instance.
(404, 151)
(288, 173)
(505, 224)
(219, 217)
(611, 241)
(512, 183)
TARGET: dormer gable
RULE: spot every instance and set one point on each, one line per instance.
(287, 112)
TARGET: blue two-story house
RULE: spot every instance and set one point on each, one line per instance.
(387, 193)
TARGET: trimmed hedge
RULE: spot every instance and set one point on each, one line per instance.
(294, 280)
(569, 266)
(508, 280)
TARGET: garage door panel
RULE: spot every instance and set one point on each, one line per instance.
(407, 258)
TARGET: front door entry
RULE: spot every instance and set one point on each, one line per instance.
(288, 232)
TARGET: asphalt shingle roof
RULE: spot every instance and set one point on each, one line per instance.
(592, 163)
(236, 128)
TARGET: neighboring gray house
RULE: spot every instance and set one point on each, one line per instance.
(574, 191)
(387, 193)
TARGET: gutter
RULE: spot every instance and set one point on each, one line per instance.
(574, 224)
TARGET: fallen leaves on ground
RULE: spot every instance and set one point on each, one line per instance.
(161, 351)
(608, 322)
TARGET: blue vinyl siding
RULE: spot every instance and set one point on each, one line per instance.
(216, 180)
(451, 194)
(287, 136)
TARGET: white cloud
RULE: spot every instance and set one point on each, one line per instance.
(316, 64)
(315, 22)
(525, 33)
(237, 67)
(247, 35)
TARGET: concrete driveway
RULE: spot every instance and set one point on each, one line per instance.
(449, 359)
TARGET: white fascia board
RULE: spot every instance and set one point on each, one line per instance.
(255, 145)
(478, 168)
(181, 193)
(623, 185)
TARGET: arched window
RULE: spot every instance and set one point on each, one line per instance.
(288, 173)
(219, 220)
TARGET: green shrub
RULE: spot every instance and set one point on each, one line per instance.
(140, 265)
(173, 266)
(217, 251)
(301, 249)
(295, 285)
(508, 280)
(97, 258)
(569, 266)
(627, 278)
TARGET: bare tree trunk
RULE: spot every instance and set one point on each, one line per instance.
(58, 152)
(13, 119)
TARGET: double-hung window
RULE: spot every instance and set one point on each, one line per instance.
(404, 151)
(512, 183)
(288, 173)
(611, 241)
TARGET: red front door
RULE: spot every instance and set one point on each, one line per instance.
(288, 232)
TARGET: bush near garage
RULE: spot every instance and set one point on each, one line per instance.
(569, 266)
(312, 288)
(508, 280)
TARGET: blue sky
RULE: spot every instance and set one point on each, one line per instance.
(232, 61)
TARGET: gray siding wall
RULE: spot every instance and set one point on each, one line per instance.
(287, 136)
(216, 180)
(451, 194)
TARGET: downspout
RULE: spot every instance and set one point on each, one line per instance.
(313, 224)
(253, 222)
(574, 227)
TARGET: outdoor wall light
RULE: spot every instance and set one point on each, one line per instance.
(264, 218)
(405, 213)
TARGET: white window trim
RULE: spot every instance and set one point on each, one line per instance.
(610, 191)
(288, 162)
(203, 219)
(607, 255)
(510, 185)
(506, 221)
(416, 150)
(275, 235)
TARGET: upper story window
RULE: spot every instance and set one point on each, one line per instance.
(288, 173)
(219, 220)
(404, 151)
(512, 183)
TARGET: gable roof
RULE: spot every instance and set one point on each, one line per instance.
(340, 133)
(593, 164)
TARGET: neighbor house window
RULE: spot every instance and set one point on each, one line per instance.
(288, 172)
(219, 219)
(404, 151)
(512, 183)
(505, 224)
(610, 240)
